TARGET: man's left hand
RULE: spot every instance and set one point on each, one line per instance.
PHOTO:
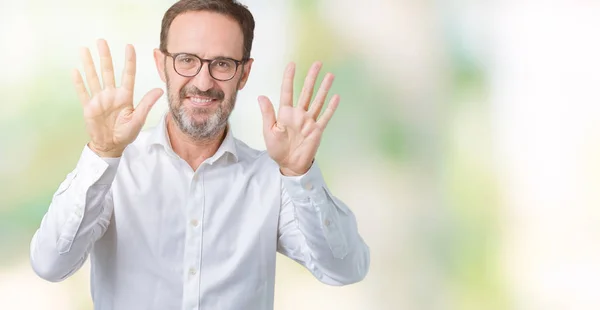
(292, 139)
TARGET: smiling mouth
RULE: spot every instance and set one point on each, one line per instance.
(201, 101)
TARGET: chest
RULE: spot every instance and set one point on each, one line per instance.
(218, 214)
(194, 237)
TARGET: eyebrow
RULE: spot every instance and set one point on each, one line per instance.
(216, 57)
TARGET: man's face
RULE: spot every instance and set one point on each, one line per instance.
(201, 105)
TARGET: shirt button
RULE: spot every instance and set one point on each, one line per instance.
(327, 222)
(308, 186)
(194, 222)
(193, 271)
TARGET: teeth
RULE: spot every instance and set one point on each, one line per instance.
(198, 100)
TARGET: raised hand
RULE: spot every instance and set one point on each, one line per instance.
(293, 137)
(110, 117)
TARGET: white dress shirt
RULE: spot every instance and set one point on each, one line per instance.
(162, 236)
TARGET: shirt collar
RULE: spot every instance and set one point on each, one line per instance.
(159, 136)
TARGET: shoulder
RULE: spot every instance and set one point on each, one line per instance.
(141, 145)
(255, 158)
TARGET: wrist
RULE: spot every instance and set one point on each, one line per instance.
(296, 171)
(289, 172)
(105, 153)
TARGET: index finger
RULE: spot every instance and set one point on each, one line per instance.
(128, 77)
(287, 87)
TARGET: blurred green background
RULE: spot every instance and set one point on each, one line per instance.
(465, 142)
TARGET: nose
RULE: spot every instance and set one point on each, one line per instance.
(203, 81)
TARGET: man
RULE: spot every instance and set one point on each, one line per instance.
(185, 216)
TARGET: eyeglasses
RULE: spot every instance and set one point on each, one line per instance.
(220, 69)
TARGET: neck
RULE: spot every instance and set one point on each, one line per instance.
(192, 150)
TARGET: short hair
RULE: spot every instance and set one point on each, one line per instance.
(230, 8)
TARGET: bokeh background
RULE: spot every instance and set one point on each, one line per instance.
(467, 141)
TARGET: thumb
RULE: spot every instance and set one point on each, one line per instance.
(141, 111)
(268, 113)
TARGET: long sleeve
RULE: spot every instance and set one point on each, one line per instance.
(320, 232)
(78, 215)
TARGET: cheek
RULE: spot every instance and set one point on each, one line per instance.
(230, 88)
(229, 92)
(175, 84)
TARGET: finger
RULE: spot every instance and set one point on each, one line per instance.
(106, 64)
(141, 111)
(331, 107)
(287, 87)
(268, 113)
(82, 93)
(90, 71)
(128, 77)
(317, 105)
(309, 85)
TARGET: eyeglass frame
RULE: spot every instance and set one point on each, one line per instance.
(202, 60)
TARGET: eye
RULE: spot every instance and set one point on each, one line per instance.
(186, 60)
(223, 64)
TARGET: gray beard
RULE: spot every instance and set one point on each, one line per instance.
(206, 129)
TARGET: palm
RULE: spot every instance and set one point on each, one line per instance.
(110, 118)
(115, 119)
(292, 139)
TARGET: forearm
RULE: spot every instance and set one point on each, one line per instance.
(78, 215)
(334, 251)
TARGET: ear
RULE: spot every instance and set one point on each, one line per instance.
(245, 73)
(159, 60)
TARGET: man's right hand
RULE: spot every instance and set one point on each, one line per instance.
(110, 118)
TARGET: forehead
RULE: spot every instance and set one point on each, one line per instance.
(207, 34)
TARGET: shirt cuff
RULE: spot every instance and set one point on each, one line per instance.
(104, 170)
(310, 184)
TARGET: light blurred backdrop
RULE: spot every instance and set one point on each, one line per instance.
(467, 141)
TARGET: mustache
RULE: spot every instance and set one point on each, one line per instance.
(194, 91)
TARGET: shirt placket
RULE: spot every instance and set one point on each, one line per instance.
(193, 243)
